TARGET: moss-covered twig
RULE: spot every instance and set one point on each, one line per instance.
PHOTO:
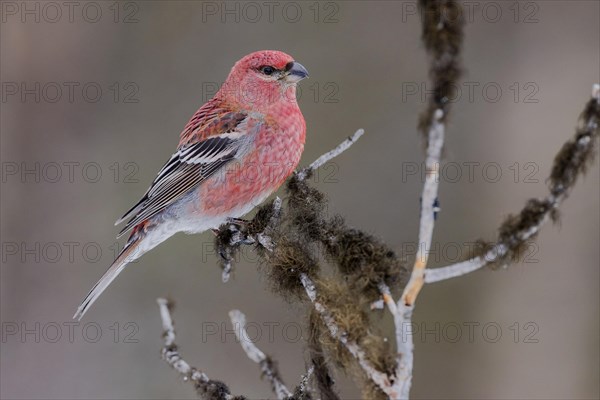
(381, 379)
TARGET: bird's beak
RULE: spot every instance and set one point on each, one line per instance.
(296, 73)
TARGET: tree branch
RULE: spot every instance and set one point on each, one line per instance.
(569, 163)
(206, 388)
(345, 145)
(442, 36)
(238, 320)
(429, 208)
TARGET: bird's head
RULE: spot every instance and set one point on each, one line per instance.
(264, 79)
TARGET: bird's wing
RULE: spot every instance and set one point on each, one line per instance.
(187, 168)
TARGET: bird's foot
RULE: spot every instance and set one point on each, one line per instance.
(238, 221)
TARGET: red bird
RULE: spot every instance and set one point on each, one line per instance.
(235, 151)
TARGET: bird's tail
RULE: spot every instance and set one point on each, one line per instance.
(131, 252)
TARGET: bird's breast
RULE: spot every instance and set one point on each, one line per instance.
(269, 159)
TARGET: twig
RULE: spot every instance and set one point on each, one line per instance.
(169, 351)
(462, 268)
(428, 209)
(238, 320)
(402, 311)
(303, 388)
(379, 378)
(304, 173)
(402, 315)
(206, 387)
(226, 273)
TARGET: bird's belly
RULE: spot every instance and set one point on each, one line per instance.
(190, 216)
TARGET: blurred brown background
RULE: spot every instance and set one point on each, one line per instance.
(116, 82)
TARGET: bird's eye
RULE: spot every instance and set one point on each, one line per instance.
(267, 70)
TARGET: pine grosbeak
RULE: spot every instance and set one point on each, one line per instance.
(235, 151)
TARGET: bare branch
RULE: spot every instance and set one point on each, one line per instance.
(428, 207)
(238, 320)
(402, 315)
(305, 172)
(169, 351)
(402, 312)
(458, 269)
(205, 387)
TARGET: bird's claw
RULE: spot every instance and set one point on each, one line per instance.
(238, 221)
